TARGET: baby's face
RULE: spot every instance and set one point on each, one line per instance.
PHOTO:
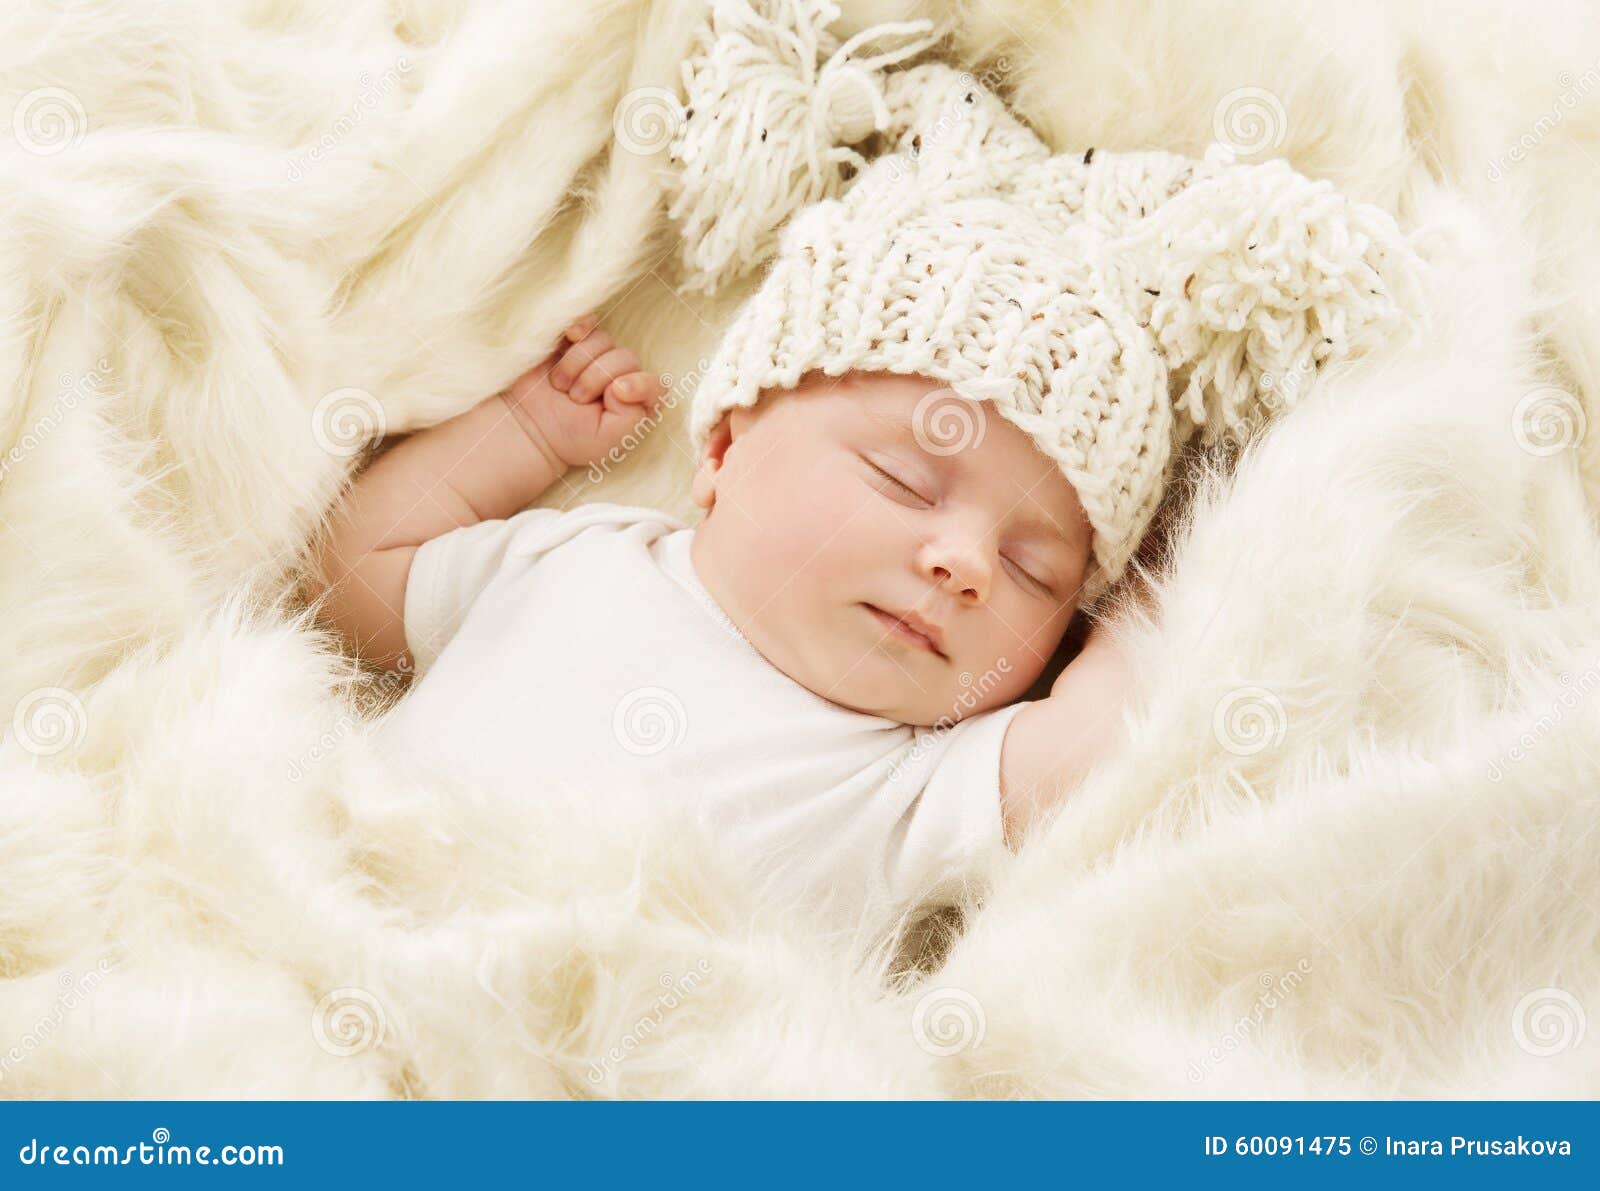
(847, 507)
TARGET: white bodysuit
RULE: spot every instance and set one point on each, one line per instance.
(580, 648)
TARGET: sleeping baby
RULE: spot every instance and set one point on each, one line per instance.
(938, 428)
(774, 664)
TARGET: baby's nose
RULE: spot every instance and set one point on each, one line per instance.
(960, 569)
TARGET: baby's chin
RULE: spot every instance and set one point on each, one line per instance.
(882, 679)
(895, 697)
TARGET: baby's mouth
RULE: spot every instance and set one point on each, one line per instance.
(912, 633)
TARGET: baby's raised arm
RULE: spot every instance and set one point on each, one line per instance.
(482, 465)
(1053, 743)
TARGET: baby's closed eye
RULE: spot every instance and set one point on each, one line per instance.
(895, 485)
(1031, 574)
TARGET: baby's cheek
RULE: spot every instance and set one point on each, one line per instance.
(791, 535)
(1028, 639)
(832, 527)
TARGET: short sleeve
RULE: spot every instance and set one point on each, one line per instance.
(956, 819)
(450, 571)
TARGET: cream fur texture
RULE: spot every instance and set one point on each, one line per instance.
(1348, 849)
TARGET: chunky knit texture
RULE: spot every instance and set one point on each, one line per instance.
(1110, 305)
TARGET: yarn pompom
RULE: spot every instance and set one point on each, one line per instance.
(774, 103)
(1252, 277)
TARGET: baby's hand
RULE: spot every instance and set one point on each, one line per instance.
(586, 396)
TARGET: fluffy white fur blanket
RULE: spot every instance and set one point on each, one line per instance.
(1348, 849)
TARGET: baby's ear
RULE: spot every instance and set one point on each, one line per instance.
(704, 487)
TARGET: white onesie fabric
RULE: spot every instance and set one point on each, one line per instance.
(579, 648)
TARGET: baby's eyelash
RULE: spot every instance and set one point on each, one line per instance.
(1029, 578)
(898, 483)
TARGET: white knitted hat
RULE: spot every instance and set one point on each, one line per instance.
(1110, 305)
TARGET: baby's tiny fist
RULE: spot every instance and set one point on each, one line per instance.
(589, 397)
(604, 370)
(576, 358)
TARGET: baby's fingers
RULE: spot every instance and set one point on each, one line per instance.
(642, 389)
(631, 399)
(580, 327)
(606, 369)
(578, 357)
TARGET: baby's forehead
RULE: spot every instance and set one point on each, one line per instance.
(889, 401)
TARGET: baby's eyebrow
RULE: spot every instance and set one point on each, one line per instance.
(1044, 526)
(897, 423)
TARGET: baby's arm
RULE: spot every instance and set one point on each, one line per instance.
(1053, 743)
(482, 465)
